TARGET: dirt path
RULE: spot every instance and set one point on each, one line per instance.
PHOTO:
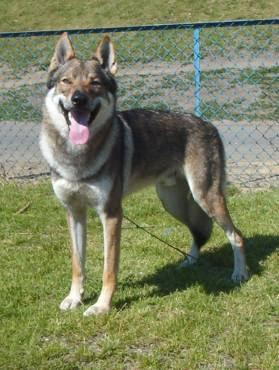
(8, 80)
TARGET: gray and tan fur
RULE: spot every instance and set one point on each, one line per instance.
(97, 156)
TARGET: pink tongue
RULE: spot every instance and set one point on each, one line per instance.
(79, 130)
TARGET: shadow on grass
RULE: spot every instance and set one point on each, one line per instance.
(212, 272)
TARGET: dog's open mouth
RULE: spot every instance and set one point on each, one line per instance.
(79, 121)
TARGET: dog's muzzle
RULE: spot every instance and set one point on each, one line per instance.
(79, 99)
(79, 117)
(79, 104)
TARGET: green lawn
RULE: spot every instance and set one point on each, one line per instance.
(39, 14)
(161, 318)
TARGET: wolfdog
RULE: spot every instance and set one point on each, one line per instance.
(97, 156)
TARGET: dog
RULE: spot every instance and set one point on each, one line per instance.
(97, 156)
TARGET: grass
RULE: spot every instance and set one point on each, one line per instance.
(261, 83)
(23, 103)
(31, 14)
(161, 318)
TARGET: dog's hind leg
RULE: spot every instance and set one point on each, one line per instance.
(208, 192)
(112, 229)
(77, 226)
(178, 201)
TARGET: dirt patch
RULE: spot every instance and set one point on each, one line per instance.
(211, 63)
(32, 78)
(207, 64)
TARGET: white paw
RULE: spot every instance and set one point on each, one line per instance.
(240, 276)
(69, 303)
(190, 261)
(96, 309)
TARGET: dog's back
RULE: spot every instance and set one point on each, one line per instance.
(164, 142)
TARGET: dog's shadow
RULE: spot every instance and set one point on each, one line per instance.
(212, 272)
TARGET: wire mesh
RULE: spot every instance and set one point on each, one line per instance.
(238, 87)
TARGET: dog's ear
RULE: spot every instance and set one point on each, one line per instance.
(63, 52)
(106, 55)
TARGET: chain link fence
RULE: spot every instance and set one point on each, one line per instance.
(226, 72)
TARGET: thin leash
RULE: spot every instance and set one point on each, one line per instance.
(158, 238)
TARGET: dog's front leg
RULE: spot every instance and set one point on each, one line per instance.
(112, 230)
(77, 228)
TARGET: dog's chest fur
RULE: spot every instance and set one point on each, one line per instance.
(94, 192)
(81, 179)
(79, 175)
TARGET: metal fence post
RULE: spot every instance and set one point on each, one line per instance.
(197, 69)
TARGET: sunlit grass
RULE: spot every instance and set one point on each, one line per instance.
(161, 318)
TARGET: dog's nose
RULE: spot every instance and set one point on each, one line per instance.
(79, 98)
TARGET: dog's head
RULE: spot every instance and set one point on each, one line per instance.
(83, 90)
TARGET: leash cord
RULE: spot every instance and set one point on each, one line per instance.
(157, 237)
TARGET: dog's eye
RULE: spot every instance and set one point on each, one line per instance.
(66, 81)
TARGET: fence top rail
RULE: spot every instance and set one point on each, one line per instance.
(170, 26)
